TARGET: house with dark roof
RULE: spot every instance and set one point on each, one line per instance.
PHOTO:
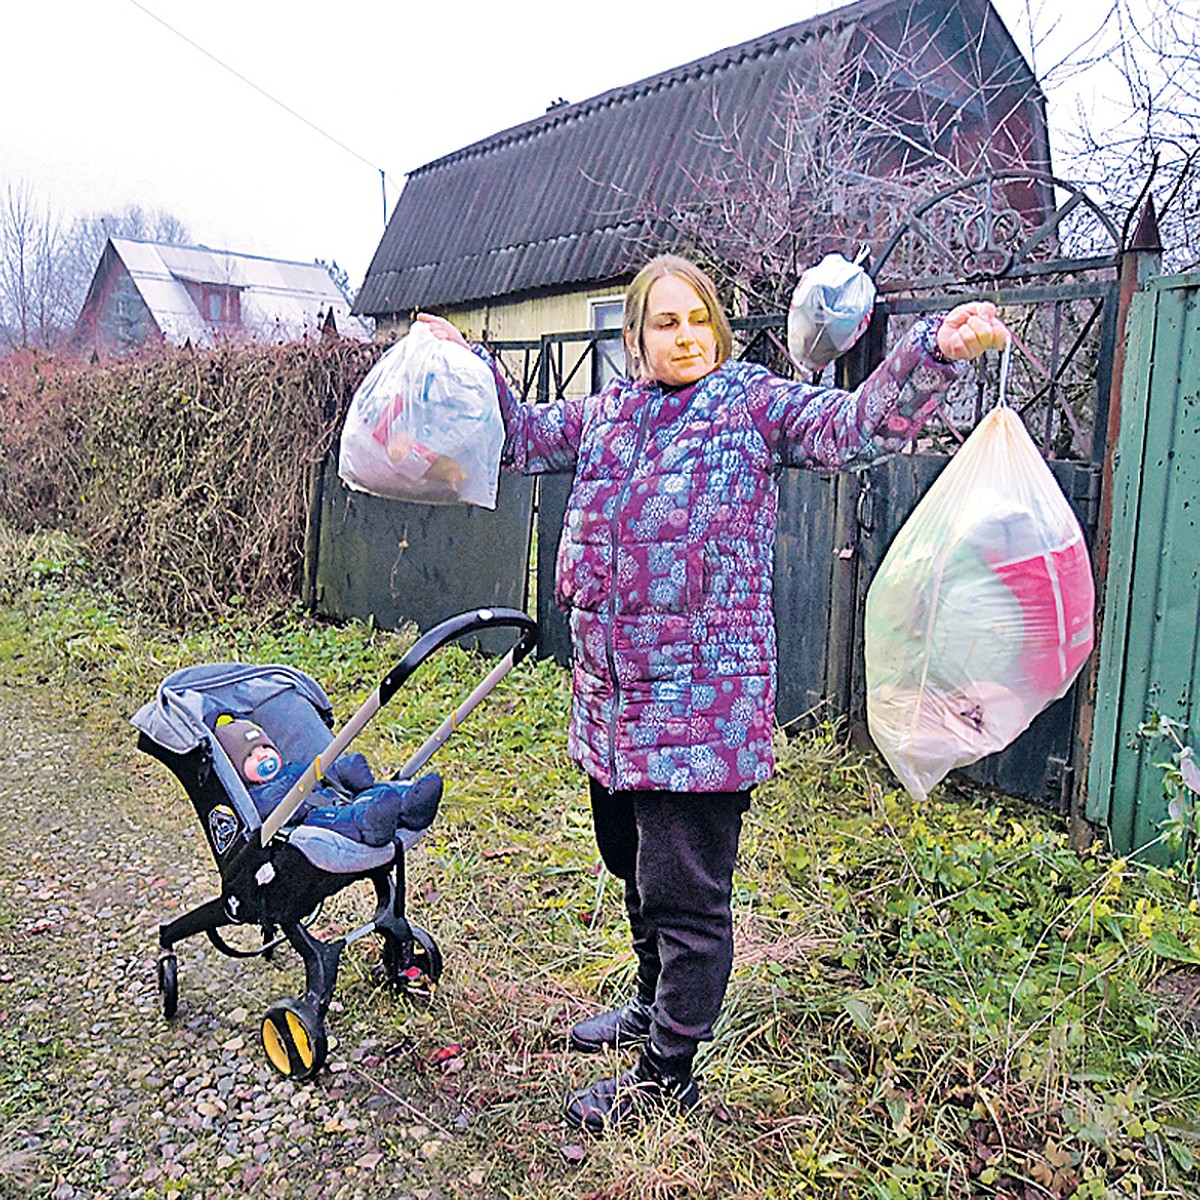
(537, 228)
(145, 292)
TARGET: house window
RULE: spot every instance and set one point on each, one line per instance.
(220, 306)
(609, 358)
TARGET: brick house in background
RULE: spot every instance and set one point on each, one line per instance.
(525, 232)
(156, 291)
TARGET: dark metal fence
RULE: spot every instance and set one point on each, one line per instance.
(394, 563)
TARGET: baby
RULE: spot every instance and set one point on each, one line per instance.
(348, 800)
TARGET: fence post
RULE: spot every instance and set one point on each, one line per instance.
(544, 599)
(845, 619)
(1140, 261)
(310, 589)
(543, 380)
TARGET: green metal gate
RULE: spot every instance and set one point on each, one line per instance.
(1150, 636)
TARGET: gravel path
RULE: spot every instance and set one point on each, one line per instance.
(100, 1096)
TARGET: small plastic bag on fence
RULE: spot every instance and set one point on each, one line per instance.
(425, 425)
(831, 308)
(982, 612)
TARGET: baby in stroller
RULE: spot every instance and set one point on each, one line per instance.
(292, 819)
(350, 802)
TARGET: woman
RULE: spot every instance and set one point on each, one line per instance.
(665, 571)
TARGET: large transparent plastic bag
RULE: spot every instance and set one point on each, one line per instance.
(982, 612)
(830, 309)
(425, 425)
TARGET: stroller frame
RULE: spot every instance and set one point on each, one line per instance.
(268, 874)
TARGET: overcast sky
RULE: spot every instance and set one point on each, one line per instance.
(105, 106)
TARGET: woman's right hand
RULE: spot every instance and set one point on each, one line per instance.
(441, 328)
(971, 329)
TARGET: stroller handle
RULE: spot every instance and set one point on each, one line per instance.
(456, 627)
(446, 631)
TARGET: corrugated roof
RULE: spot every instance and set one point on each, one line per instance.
(280, 300)
(550, 202)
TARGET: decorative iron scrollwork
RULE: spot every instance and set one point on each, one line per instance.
(991, 240)
(977, 231)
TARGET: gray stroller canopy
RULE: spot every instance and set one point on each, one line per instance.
(289, 705)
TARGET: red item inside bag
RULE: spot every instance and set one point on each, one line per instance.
(1056, 595)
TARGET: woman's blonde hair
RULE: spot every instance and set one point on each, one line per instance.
(637, 299)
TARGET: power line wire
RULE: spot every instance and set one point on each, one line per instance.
(383, 175)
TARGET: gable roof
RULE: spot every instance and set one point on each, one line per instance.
(545, 203)
(279, 300)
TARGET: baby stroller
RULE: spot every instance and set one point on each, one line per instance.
(274, 877)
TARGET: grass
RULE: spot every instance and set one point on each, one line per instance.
(934, 1000)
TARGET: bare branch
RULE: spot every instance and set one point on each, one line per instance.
(863, 131)
(1136, 131)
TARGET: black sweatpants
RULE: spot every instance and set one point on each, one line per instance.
(675, 853)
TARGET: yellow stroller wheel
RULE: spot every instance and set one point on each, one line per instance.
(293, 1036)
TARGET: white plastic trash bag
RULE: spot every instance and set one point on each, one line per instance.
(425, 425)
(831, 308)
(982, 612)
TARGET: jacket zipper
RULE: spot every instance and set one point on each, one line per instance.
(614, 522)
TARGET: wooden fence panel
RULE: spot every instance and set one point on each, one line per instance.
(396, 562)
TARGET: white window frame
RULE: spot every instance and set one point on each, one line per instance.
(599, 308)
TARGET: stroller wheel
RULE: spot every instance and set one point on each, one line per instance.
(294, 1038)
(168, 983)
(414, 968)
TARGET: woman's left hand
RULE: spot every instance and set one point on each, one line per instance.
(970, 329)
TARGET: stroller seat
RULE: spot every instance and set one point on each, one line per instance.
(331, 851)
(294, 712)
(274, 876)
(278, 887)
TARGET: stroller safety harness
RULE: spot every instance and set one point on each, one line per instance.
(274, 876)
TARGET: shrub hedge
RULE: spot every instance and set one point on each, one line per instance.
(184, 473)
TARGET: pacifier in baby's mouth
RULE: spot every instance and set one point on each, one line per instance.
(262, 764)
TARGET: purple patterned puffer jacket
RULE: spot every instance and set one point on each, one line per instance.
(665, 562)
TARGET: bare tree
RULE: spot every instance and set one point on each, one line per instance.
(1135, 133)
(46, 267)
(340, 277)
(88, 236)
(34, 302)
(870, 128)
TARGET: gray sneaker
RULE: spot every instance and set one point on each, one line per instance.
(617, 1029)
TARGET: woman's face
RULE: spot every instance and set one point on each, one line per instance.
(680, 343)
